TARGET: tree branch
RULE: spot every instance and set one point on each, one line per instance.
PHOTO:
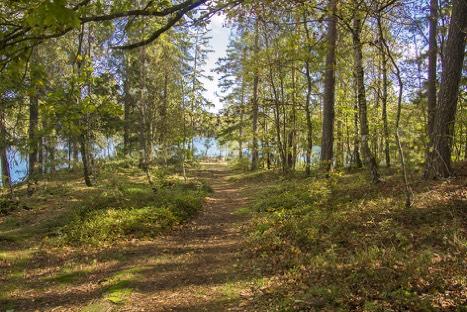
(171, 22)
(144, 12)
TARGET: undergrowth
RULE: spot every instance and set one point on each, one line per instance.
(126, 209)
(122, 205)
(342, 244)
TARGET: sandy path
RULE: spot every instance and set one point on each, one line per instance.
(197, 266)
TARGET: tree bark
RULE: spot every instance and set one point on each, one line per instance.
(292, 151)
(329, 89)
(340, 144)
(75, 151)
(368, 157)
(32, 131)
(443, 124)
(309, 125)
(356, 159)
(431, 82)
(33, 143)
(267, 147)
(84, 119)
(242, 113)
(6, 174)
(193, 96)
(240, 134)
(308, 110)
(255, 108)
(127, 118)
(85, 160)
(41, 156)
(51, 152)
(384, 103)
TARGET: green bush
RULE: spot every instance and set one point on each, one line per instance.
(240, 164)
(129, 210)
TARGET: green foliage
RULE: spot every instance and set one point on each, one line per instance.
(52, 14)
(130, 210)
(240, 164)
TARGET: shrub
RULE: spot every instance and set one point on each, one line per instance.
(125, 210)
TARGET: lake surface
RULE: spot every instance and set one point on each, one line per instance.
(19, 163)
(204, 147)
(18, 166)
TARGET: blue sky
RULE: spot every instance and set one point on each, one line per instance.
(218, 43)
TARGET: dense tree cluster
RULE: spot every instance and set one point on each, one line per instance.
(73, 86)
(364, 80)
(371, 82)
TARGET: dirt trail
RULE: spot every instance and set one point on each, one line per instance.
(197, 266)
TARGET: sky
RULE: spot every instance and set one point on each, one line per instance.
(218, 43)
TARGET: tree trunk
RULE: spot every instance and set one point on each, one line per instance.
(384, 103)
(240, 132)
(340, 144)
(84, 119)
(356, 159)
(277, 114)
(6, 175)
(408, 189)
(465, 147)
(255, 108)
(280, 105)
(33, 143)
(309, 125)
(85, 160)
(431, 82)
(292, 152)
(163, 118)
(267, 147)
(40, 155)
(368, 157)
(32, 133)
(127, 118)
(443, 124)
(51, 152)
(33, 123)
(193, 96)
(75, 150)
(329, 89)
(69, 153)
(142, 139)
(242, 113)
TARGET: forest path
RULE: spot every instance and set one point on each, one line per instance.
(197, 266)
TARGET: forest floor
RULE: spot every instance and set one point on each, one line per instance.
(260, 241)
(193, 267)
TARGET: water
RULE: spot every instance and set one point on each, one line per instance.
(204, 147)
(209, 147)
(18, 166)
(19, 162)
